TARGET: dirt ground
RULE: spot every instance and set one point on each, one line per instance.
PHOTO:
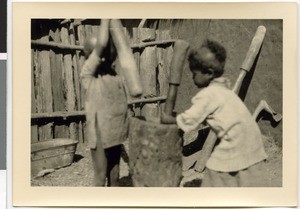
(80, 173)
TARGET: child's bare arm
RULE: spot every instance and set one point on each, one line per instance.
(103, 36)
(168, 119)
(94, 58)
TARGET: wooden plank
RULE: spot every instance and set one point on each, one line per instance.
(76, 68)
(152, 43)
(148, 68)
(162, 76)
(63, 47)
(56, 63)
(81, 38)
(167, 54)
(43, 85)
(147, 34)
(58, 114)
(88, 31)
(68, 82)
(75, 59)
(95, 29)
(44, 93)
(34, 128)
(164, 56)
(53, 45)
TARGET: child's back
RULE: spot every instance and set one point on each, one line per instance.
(238, 156)
(240, 144)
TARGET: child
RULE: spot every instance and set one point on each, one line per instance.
(105, 106)
(238, 156)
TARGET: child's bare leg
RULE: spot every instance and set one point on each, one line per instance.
(100, 164)
(113, 157)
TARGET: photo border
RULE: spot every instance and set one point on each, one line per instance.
(25, 195)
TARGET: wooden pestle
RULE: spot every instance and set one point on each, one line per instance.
(179, 55)
(127, 62)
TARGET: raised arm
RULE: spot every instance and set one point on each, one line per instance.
(102, 37)
(93, 50)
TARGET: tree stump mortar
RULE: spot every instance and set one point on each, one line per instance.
(155, 154)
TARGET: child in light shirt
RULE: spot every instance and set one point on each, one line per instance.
(237, 159)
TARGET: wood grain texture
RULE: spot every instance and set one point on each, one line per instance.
(44, 91)
(76, 68)
(81, 39)
(34, 128)
(56, 63)
(69, 83)
(162, 71)
(148, 74)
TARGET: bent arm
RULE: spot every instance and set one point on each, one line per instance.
(89, 68)
(203, 105)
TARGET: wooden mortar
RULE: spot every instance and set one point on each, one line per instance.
(155, 154)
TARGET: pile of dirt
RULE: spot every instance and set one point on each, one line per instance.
(80, 172)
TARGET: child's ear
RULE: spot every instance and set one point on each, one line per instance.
(210, 73)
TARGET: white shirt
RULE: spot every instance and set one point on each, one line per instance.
(240, 144)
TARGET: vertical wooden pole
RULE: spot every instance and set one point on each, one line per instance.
(88, 30)
(56, 63)
(95, 29)
(148, 72)
(165, 58)
(34, 128)
(44, 93)
(77, 68)
(163, 64)
(69, 82)
(81, 38)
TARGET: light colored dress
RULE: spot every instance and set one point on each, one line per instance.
(105, 105)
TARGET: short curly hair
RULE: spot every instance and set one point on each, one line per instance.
(217, 63)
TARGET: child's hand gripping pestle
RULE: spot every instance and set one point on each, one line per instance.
(127, 62)
(179, 55)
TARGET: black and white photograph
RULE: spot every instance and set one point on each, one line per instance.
(156, 102)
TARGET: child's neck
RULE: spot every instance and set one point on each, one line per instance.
(221, 81)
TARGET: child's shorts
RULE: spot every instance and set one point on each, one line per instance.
(254, 176)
